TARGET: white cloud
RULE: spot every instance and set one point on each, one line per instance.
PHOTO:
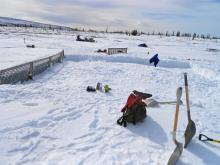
(145, 15)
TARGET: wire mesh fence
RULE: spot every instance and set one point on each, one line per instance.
(27, 70)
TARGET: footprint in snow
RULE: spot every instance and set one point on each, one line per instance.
(31, 135)
(85, 136)
(95, 121)
(30, 104)
(44, 123)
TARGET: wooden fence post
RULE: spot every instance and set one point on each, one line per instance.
(61, 56)
(63, 53)
(50, 61)
(31, 71)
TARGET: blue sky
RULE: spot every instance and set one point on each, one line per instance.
(201, 16)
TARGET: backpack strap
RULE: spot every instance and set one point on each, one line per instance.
(121, 121)
(134, 121)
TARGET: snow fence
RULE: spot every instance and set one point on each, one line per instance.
(27, 70)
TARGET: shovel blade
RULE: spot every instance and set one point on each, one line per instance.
(151, 102)
(189, 133)
(176, 154)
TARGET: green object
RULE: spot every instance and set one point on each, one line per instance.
(107, 88)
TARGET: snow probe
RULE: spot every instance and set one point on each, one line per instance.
(191, 127)
(179, 146)
(205, 138)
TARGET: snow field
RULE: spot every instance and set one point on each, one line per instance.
(53, 120)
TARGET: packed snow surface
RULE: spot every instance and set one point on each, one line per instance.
(54, 120)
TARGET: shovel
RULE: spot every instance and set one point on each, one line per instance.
(191, 127)
(150, 102)
(205, 138)
(179, 146)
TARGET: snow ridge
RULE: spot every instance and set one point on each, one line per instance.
(132, 60)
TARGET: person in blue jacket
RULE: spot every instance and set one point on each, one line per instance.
(154, 60)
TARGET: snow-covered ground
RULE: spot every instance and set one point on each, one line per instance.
(54, 120)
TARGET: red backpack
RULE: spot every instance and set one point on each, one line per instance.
(134, 109)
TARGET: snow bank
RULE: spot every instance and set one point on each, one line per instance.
(126, 59)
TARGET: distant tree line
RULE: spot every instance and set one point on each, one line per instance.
(179, 34)
(134, 32)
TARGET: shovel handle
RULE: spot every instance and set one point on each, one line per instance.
(187, 97)
(170, 102)
(185, 79)
(176, 117)
(178, 94)
(203, 137)
(166, 102)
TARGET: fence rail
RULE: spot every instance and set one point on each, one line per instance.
(27, 70)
